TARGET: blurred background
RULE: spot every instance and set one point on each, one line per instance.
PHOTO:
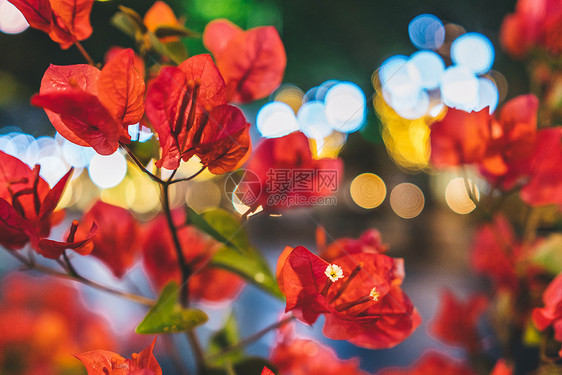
(386, 185)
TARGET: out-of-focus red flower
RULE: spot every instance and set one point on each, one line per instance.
(94, 108)
(495, 252)
(460, 138)
(551, 313)
(187, 107)
(161, 264)
(66, 21)
(432, 363)
(370, 241)
(27, 203)
(359, 294)
(512, 142)
(287, 174)
(160, 14)
(535, 24)
(115, 244)
(104, 362)
(43, 323)
(456, 322)
(267, 371)
(252, 62)
(545, 182)
(502, 368)
(307, 357)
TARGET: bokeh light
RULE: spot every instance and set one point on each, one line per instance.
(312, 120)
(345, 107)
(139, 133)
(459, 88)
(473, 51)
(457, 196)
(203, 195)
(107, 171)
(53, 168)
(368, 190)
(430, 67)
(488, 95)
(426, 31)
(407, 141)
(407, 200)
(77, 156)
(11, 19)
(291, 95)
(276, 119)
(329, 147)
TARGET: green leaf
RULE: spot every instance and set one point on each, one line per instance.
(167, 315)
(193, 218)
(172, 52)
(549, 254)
(179, 31)
(224, 338)
(250, 265)
(228, 226)
(129, 22)
(246, 262)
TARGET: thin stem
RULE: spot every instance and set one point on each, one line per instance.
(250, 339)
(84, 53)
(184, 267)
(50, 271)
(190, 177)
(197, 350)
(139, 164)
(469, 190)
(69, 265)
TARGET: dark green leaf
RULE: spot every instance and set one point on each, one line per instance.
(167, 315)
(223, 339)
(179, 31)
(172, 52)
(193, 218)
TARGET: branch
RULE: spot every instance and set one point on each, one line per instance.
(84, 53)
(53, 272)
(143, 169)
(250, 339)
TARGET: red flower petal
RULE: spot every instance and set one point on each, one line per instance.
(115, 244)
(85, 116)
(36, 12)
(225, 140)
(218, 33)
(545, 183)
(64, 78)
(159, 14)
(460, 138)
(53, 249)
(456, 322)
(71, 21)
(121, 89)
(252, 63)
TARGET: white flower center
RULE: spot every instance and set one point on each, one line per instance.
(334, 272)
(374, 294)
